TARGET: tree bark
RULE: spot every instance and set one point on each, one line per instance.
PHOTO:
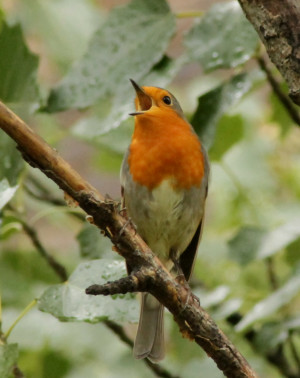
(148, 274)
(277, 23)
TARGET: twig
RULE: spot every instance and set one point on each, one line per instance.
(271, 273)
(45, 196)
(193, 321)
(156, 368)
(17, 372)
(283, 98)
(32, 234)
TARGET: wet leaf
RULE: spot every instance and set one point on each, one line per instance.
(223, 38)
(92, 244)
(272, 303)
(8, 358)
(131, 41)
(18, 67)
(252, 243)
(68, 301)
(214, 104)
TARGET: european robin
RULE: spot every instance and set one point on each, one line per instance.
(164, 178)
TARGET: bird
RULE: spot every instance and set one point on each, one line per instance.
(164, 182)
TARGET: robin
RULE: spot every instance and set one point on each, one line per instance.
(164, 178)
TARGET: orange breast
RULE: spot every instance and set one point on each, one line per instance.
(165, 147)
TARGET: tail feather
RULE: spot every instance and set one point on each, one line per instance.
(149, 341)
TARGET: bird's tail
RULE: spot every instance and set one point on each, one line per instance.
(149, 341)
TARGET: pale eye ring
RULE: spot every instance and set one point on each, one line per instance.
(167, 100)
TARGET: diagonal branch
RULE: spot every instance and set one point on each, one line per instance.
(193, 321)
(282, 97)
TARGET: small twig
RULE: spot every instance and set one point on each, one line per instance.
(283, 98)
(271, 273)
(156, 368)
(45, 196)
(295, 352)
(32, 234)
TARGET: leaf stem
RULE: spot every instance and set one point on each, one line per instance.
(189, 14)
(23, 313)
(271, 273)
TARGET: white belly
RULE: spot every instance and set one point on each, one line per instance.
(166, 218)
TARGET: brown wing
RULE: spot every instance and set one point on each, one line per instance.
(188, 256)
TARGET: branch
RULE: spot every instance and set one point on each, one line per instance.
(193, 321)
(58, 268)
(286, 102)
(277, 24)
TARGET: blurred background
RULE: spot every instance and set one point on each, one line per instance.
(249, 253)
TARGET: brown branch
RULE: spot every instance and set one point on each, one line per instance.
(193, 321)
(277, 24)
(157, 369)
(286, 102)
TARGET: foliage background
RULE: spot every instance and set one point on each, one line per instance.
(64, 68)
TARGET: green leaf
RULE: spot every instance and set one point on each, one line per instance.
(6, 192)
(92, 244)
(68, 301)
(102, 127)
(270, 335)
(252, 243)
(18, 67)
(244, 245)
(8, 358)
(223, 38)
(64, 26)
(214, 104)
(229, 131)
(130, 42)
(272, 303)
(12, 163)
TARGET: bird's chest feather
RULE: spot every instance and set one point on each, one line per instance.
(177, 156)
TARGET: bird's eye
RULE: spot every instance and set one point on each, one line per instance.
(167, 100)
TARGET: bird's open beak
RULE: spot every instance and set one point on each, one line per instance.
(144, 102)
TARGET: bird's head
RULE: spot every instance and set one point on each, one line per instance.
(154, 101)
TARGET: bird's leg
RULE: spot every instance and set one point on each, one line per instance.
(180, 278)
